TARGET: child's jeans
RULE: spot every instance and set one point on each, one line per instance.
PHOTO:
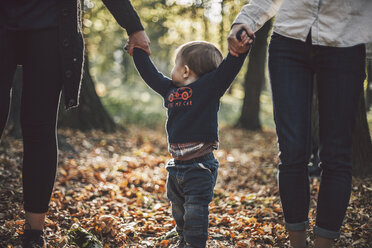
(190, 187)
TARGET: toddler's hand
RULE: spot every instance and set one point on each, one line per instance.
(240, 39)
(138, 39)
(244, 39)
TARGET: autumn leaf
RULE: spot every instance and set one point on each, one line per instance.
(113, 186)
(164, 243)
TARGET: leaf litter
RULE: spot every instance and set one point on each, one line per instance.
(111, 187)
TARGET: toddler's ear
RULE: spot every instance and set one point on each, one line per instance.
(186, 71)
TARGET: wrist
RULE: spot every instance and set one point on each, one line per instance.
(135, 30)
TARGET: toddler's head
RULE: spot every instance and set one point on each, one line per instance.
(193, 60)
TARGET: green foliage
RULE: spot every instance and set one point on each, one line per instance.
(168, 23)
(135, 104)
(82, 238)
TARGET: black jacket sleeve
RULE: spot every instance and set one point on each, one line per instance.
(125, 15)
(153, 78)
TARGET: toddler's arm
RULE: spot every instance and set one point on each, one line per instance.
(221, 78)
(153, 78)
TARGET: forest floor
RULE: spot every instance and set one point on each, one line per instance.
(113, 185)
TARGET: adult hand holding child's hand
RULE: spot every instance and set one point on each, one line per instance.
(138, 39)
(237, 46)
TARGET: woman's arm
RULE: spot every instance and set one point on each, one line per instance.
(127, 17)
(124, 14)
(252, 17)
(153, 78)
(257, 12)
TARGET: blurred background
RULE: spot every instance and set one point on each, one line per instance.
(113, 96)
(168, 24)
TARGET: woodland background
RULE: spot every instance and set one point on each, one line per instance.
(111, 176)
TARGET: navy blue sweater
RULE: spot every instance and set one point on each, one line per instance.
(192, 109)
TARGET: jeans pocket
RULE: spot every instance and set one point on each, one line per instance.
(280, 42)
(211, 167)
(204, 168)
(276, 36)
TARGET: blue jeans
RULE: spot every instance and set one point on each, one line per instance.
(190, 190)
(339, 74)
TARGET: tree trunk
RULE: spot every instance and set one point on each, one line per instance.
(255, 79)
(222, 39)
(90, 114)
(362, 146)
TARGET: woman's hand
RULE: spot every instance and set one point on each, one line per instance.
(138, 39)
(234, 45)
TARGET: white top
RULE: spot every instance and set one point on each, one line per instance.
(336, 23)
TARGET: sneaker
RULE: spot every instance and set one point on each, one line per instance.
(33, 239)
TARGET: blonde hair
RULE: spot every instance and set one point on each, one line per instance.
(200, 56)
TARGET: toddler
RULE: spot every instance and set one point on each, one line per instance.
(199, 79)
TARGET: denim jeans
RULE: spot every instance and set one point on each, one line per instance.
(190, 190)
(339, 73)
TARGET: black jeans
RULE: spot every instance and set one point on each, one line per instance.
(339, 73)
(38, 52)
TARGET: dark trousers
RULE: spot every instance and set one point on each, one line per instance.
(339, 74)
(38, 52)
(190, 189)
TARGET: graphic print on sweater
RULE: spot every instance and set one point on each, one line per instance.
(180, 97)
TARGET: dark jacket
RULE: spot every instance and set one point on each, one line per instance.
(72, 43)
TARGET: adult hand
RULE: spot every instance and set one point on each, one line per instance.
(138, 39)
(234, 45)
